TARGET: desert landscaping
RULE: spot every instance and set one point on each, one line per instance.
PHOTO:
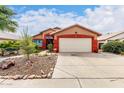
(41, 66)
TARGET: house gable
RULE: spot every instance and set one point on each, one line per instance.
(41, 34)
(76, 29)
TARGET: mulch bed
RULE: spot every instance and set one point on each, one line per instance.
(38, 65)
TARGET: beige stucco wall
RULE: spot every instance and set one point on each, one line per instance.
(78, 30)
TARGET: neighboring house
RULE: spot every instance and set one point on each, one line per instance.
(75, 38)
(8, 36)
(110, 37)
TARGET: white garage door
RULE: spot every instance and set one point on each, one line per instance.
(75, 45)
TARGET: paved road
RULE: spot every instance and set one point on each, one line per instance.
(89, 66)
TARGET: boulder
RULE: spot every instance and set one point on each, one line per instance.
(7, 64)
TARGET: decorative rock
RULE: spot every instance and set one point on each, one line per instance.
(44, 76)
(31, 77)
(25, 77)
(49, 54)
(43, 53)
(49, 74)
(1, 77)
(51, 69)
(50, 58)
(42, 72)
(10, 77)
(5, 77)
(38, 77)
(17, 77)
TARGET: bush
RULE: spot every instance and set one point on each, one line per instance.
(113, 47)
(9, 46)
(27, 46)
(50, 47)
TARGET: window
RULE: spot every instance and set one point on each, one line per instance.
(38, 42)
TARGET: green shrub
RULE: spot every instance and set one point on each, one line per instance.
(50, 47)
(9, 46)
(27, 46)
(113, 47)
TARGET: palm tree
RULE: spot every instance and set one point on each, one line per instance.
(6, 22)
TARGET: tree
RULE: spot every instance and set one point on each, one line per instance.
(6, 22)
(27, 45)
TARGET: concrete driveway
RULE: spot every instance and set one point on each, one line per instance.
(89, 66)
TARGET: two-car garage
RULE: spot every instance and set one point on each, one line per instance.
(76, 38)
(75, 45)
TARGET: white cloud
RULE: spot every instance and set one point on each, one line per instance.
(102, 19)
(106, 18)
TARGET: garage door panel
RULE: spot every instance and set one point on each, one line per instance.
(75, 44)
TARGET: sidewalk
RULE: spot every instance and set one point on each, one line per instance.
(63, 83)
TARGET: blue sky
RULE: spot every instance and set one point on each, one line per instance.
(103, 19)
(61, 8)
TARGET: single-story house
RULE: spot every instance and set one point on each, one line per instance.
(8, 36)
(110, 37)
(74, 38)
